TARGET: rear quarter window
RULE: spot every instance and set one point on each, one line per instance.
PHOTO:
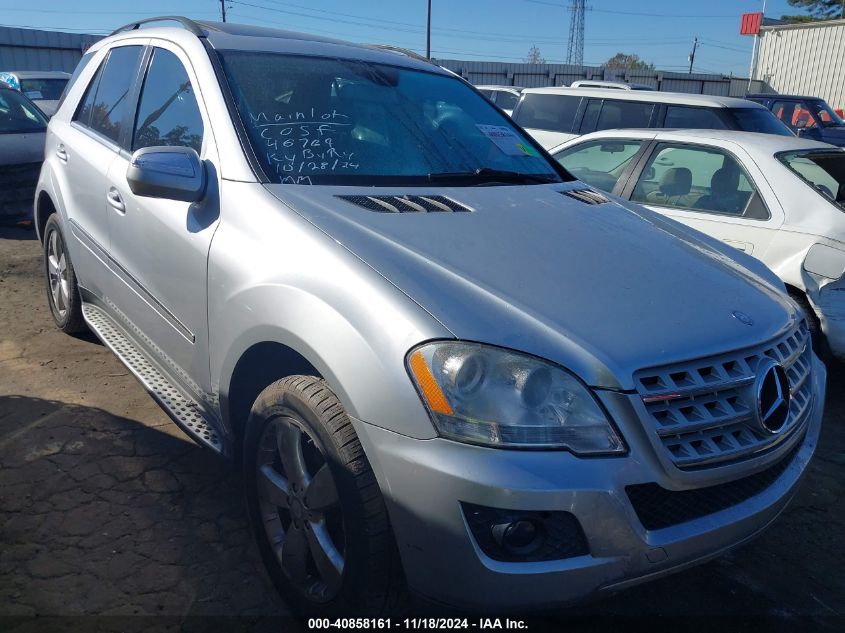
(551, 112)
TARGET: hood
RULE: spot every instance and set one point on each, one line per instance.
(19, 149)
(835, 135)
(602, 289)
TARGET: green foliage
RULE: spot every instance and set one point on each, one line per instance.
(628, 61)
(816, 10)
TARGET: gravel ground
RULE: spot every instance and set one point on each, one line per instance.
(108, 509)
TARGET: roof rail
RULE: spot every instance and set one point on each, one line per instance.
(403, 51)
(187, 23)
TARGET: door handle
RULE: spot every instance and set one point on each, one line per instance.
(61, 153)
(115, 201)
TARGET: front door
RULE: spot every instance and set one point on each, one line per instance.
(160, 247)
(710, 189)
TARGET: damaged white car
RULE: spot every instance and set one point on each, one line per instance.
(777, 198)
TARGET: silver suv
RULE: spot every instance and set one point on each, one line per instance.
(443, 363)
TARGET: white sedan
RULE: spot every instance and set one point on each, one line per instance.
(778, 198)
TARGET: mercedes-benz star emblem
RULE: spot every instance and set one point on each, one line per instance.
(773, 396)
(742, 317)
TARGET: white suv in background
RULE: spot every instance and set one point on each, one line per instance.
(555, 115)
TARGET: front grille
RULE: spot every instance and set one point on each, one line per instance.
(587, 196)
(659, 508)
(703, 412)
(17, 188)
(407, 204)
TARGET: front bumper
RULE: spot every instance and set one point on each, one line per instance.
(425, 481)
(830, 307)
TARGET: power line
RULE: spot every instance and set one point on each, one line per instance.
(639, 13)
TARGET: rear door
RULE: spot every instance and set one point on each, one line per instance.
(160, 246)
(713, 189)
(82, 152)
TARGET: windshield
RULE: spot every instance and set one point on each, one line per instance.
(824, 114)
(332, 121)
(45, 89)
(823, 170)
(759, 120)
(19, 115)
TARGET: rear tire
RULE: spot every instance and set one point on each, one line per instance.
(315, 506)
(62, 289)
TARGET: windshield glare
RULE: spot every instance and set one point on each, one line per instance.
(17, 115)
(329, 121)
(822, 170)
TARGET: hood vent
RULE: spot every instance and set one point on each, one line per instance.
(407, 204)
(587, 196)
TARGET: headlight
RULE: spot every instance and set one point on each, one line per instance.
(491, 396)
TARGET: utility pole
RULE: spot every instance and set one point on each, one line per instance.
(428, 32)
(692, 55)
(223, 9)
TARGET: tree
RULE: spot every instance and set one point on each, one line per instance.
(534, 56)
(816, 10)
(628, 61)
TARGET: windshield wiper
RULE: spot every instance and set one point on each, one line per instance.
(487, 175)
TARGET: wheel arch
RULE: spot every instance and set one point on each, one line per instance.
(256, 368)
(44, 208)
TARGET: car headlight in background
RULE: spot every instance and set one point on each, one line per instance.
(487, 395)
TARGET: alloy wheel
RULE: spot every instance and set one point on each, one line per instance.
(300, 509)
(57, 269)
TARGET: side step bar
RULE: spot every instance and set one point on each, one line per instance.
(181, 408)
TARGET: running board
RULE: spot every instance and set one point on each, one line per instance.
(184, 411)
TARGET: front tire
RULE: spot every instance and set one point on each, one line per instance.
(62, 290)
(314, 504)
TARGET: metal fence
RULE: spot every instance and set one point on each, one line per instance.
(542, 75)
(31, 49)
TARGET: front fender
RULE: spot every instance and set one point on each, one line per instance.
(278, 279)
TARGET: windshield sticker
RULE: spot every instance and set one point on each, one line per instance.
(506, 140)
(299, 143)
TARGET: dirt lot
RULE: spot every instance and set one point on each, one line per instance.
(106, 508)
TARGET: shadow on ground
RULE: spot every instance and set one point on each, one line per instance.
(100, 514)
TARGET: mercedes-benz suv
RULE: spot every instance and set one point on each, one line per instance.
(442, 362)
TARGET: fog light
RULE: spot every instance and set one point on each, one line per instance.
(525, 535)
(517, 537)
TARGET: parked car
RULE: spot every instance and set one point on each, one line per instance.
(613, 85)
(777, 198)
(506, 97)
(555, 115)
(22, 132)
(809, 117)
(442, 362)
(43, 87)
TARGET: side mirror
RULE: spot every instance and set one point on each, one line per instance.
(175, 173)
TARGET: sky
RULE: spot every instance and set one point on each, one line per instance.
(659, 31)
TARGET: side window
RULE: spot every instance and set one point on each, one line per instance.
(506, 100)
(693, 118)
(487, 93)
(784, 111)
(698, 179)
(548, 112)
(168, 113)
(103, 112)
(86, 104)
(86, 58)
(624, 114)
(599, 163)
